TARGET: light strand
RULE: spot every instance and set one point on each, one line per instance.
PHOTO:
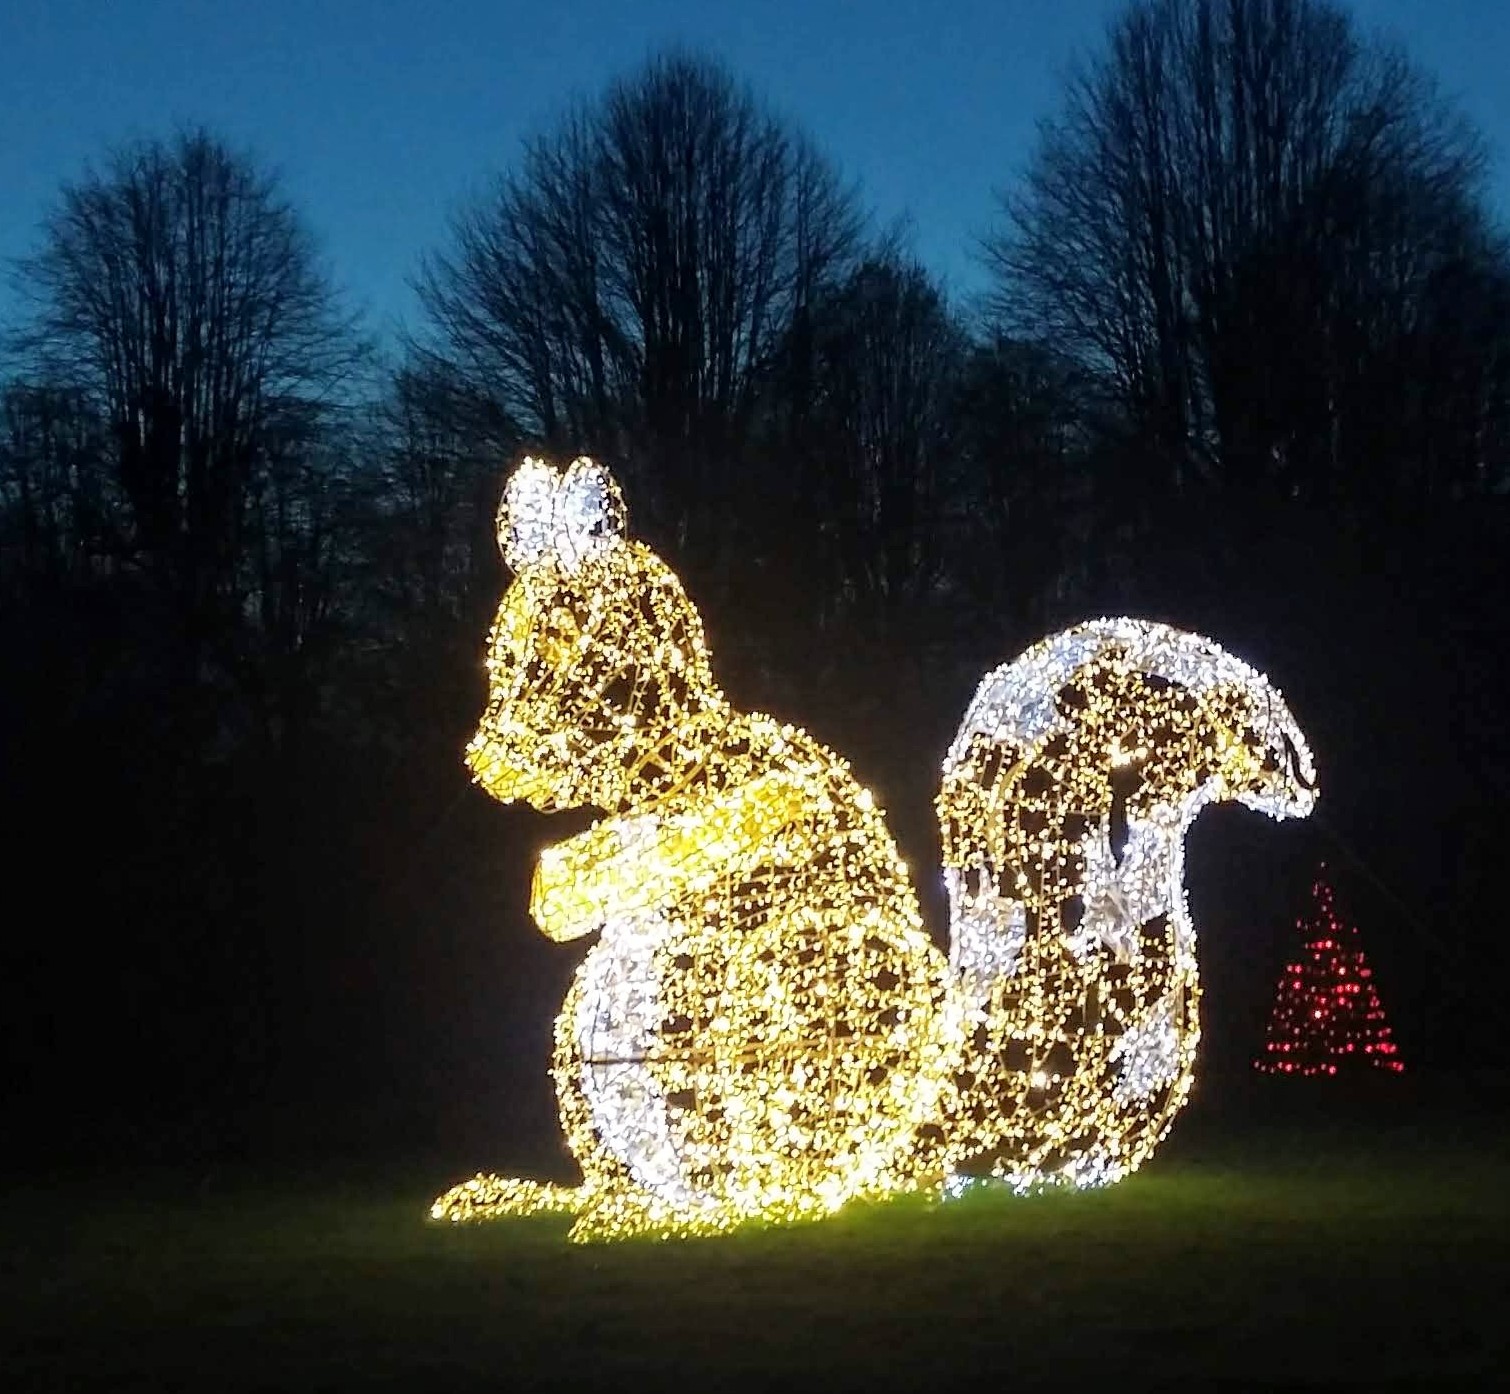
(763, 1028)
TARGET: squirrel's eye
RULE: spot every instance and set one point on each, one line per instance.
(619, 693)
(559, 636)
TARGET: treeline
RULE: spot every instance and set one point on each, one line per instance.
(1245, 365)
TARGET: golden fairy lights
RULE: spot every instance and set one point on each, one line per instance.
(763, 1027)
(1067, 795)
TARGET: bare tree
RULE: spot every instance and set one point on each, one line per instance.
(1024, 423)
(57, 507)
(518, 304)
(626, 287)
(439, 492)
(1237, 220)
(178, 292)
(879, 432)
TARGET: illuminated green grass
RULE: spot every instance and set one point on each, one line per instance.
(1377, 1261)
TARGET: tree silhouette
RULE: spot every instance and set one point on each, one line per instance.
(877, 435)
(180, 298)
(626, 287)
(1245, 219)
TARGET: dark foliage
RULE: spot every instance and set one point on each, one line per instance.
(1248, 372)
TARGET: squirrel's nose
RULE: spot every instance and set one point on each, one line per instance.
(503, 778)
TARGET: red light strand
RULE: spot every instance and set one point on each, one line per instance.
(1327, 1015)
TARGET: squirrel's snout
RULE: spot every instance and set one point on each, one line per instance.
(502, 773)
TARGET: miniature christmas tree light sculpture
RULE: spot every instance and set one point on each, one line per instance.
(1327, 1015)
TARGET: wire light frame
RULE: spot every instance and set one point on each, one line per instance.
(1067, 796)
(1327, 1016)
(763, 1027)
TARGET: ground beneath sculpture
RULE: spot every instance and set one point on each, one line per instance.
(1289, 1256)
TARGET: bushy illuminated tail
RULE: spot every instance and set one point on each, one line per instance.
(1066, 798)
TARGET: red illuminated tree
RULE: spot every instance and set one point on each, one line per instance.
(1327, 1015)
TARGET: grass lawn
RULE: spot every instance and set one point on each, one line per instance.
(1306, 1255)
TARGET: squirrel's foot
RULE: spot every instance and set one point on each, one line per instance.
(625, 1214)
(488, 1197)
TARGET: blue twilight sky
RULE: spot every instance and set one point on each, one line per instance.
(382, 114)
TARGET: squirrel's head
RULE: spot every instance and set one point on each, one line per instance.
(597, 671)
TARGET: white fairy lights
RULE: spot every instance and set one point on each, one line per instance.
(763, 1027)
(1067, 795)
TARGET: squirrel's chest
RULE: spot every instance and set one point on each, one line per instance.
(661, 984)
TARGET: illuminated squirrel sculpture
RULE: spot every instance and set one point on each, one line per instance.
(764, 1027)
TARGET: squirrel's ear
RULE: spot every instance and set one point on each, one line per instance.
(527, 514)
(590, 516)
